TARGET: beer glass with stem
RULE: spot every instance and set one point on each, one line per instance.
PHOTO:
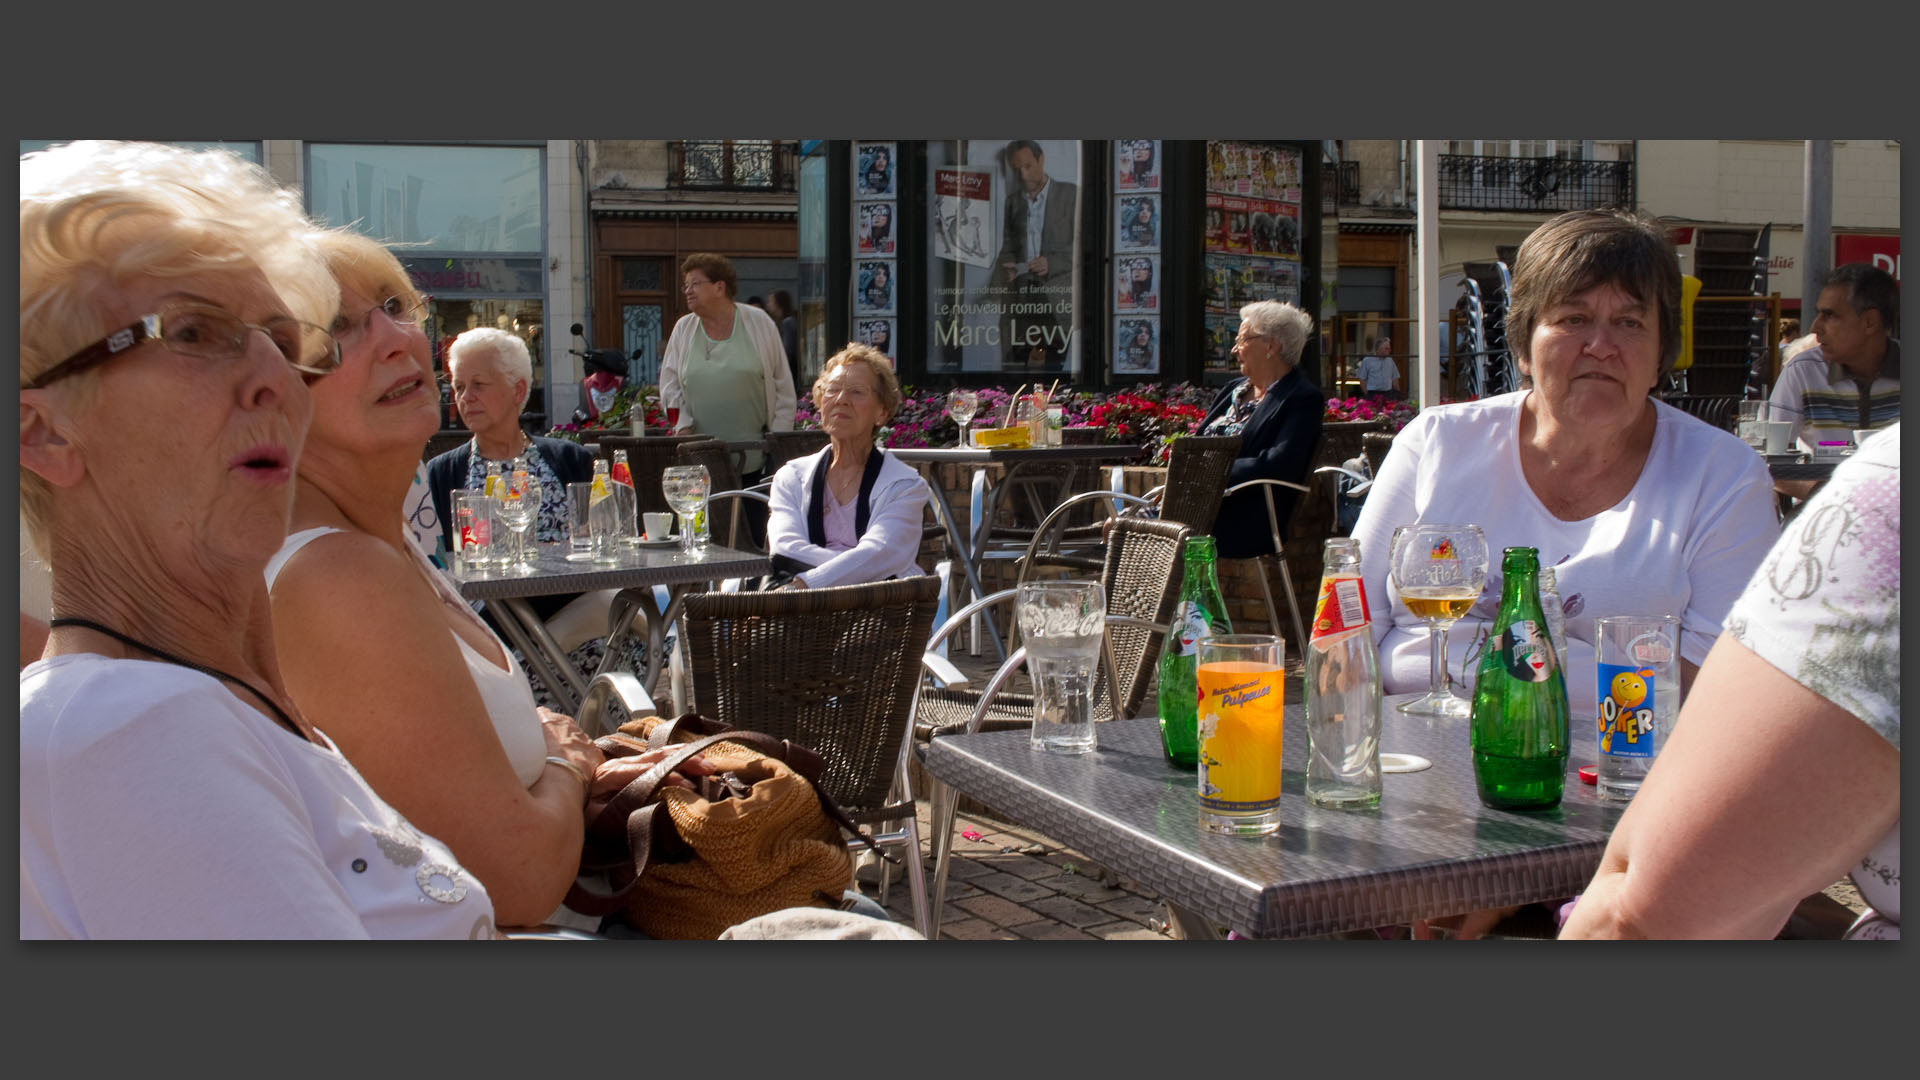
(516, 503)
(685, 487)
(962, 405)
(1439, 571)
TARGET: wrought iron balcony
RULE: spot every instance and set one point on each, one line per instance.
(1340, 182)
(1546, 185)
(732, 164)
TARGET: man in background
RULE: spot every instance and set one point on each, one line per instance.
(1036, 260)
(1851, 380)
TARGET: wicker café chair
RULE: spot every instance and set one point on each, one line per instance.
(784, 446)
(1196, 484)
(1141, 579)
(835, 670)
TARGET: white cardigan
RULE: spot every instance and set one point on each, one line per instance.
(896, 512)
(765, 337)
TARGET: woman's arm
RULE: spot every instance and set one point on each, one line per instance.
(1289, 451)
(370, 659)
(671, 396)
(1391, 502)
(1735, 535)
(1765, 793)
(887, 547)
(787, 515)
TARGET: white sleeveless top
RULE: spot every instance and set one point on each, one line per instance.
(508, 698)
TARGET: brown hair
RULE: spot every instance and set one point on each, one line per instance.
(716, 267)
(1584, 248)
(885, 383)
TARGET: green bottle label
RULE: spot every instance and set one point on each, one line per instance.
(1528, 657)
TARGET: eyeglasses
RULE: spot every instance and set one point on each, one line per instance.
(401, 310)
(205, 333)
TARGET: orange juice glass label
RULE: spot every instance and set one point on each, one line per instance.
(1242, 706)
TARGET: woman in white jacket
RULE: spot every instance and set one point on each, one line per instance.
(724, 368)
(851, 513)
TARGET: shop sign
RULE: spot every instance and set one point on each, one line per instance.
(1880, 249)
(457, 276)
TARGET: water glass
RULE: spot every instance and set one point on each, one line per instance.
(1242, 718)
(472, 530)
(686, 488)
(1637, 665)
(1063, 624)
(1752, 415)
(579, 521)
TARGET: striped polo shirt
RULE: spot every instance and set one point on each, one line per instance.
(1829, 404)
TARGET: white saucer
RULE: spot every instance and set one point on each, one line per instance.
(1403, 763)
(671, 541)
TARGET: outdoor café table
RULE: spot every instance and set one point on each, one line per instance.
(1802, 470)
(1431, 849)
(986, 499)
(639, 569)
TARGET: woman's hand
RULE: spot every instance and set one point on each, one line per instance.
(616, 773)
(566, 740)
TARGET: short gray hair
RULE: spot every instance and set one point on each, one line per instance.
(1286, 324)
(503, 348)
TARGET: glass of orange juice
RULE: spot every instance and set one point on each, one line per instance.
(1242, 710)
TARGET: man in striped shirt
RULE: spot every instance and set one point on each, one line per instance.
(1851, 380)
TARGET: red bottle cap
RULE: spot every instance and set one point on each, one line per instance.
(1589, 774)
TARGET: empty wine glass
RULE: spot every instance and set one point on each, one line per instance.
(516, 503)
(686, 487)
(1439, 571)
(962, 405)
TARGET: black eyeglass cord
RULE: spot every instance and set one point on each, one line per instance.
(279, 713)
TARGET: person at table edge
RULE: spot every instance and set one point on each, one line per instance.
(1850, 380)
(1277, 414)
(1640, 508)
(851, 513)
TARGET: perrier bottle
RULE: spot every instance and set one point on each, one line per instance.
(1520, 728)
(1201, 613)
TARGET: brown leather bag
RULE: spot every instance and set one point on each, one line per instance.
(754, 837)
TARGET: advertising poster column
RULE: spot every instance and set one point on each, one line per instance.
(1004, 256)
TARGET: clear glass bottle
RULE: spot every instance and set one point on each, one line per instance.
(1201, 613)
(1342, 688)
(628, 500)
(1520, 730)
(1556, 611)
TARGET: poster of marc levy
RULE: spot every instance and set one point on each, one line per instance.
(1004, 277)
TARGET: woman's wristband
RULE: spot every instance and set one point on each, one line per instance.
(585, 783)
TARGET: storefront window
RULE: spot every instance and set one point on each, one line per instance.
(442, 198)
(812, 265)
(1003, 283)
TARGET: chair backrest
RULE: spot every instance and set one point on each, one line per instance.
(833, 669)
(722, 474)
(1197, 479)
(784, 446)
(1083, 436)
(1375, 444)
(1142, 579)
(647, 458)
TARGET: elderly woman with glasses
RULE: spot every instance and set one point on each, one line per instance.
(1277, 414)
(724, 372)
(851, 513)
(172, 785)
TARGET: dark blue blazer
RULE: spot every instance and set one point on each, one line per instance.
(1278, 443)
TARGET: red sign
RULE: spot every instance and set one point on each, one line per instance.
(1879, 249)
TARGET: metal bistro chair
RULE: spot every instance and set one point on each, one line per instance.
(1279, 555)
(1141, 579)
(1196, 483)
(834, 669)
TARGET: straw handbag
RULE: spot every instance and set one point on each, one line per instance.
(754, 837)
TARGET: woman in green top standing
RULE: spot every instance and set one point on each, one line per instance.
(724, 368)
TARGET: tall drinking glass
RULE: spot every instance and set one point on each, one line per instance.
(962, 405)
(1242, 717)
(1063, 624)
(515, 504)
(1439, 571)
(685, 487)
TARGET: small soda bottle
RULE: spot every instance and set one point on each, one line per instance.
(1201, 613)
(627, 500)
(493, 479)
(1556, 613)
(1521, 727)
(1342, 688)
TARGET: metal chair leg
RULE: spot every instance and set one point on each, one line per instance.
(1293, 606)
(945, 802)
(917, 882)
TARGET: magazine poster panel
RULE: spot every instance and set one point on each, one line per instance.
(963, 229)
(1217, 348)
(1136, 225)
(1239, 225)
(1136, 349)
(873, 288)
(873, 169)
(1275, 227)
(1255, 170)
(1216, 226)
(1257, 279)
(1004, 280)
(1136, 165)
(873, 228)
(877, 333)
(1217, 272)
(1137, 283)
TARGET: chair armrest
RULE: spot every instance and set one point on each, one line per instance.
(622, 684)
(955, 620)
(1015, 661)
(1059, 513)
(943, 670)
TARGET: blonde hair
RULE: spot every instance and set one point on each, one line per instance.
(363, 264)
(503, 347)
(97, 216)
(886, 385)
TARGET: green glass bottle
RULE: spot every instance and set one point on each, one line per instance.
(1201, 613)
(1521, 727)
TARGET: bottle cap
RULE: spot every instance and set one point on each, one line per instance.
(1589, 774)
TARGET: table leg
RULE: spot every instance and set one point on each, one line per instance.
(963, 549)
(528, 633)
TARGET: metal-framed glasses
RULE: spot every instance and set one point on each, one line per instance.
(400, 309)
(202, 332)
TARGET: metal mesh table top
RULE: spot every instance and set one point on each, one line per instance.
(1431, 848)
(644, 566)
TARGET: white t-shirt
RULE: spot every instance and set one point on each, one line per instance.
(154, 803)
(1683, 542)
(1824, 608)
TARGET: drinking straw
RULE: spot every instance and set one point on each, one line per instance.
(1008, 420)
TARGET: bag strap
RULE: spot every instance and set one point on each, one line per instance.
(631, 815)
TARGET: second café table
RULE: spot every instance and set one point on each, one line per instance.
(1431, 849)
(639, 569)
